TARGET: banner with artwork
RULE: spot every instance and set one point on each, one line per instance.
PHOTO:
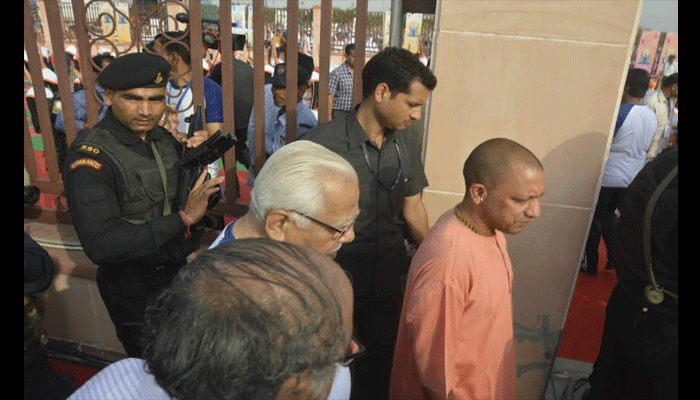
(107, 22)
(238, 19)
(123, 24)
(386, 30)
(646, 51)
(108, 17)
(250, 26)
(411, 38)
(670, 46)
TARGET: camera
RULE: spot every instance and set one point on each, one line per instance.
(211, 32)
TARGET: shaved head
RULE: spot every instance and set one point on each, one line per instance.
(493, 159)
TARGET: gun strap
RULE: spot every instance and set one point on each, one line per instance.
(646, 233)
(161, 169)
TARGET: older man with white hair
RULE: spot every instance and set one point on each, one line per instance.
(307, 195)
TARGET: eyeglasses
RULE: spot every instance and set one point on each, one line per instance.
(355, 351)
(339, 233)
(385, 176)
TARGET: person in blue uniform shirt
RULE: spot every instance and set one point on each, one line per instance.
(276, 113)
(121, 180)
(100, 61)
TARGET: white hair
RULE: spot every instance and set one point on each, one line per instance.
(294, 178)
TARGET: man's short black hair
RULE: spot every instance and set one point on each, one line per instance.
(670, 80)
(349, 47)
(637, 82)
(179, 44)
(98, 59)
(398, 68)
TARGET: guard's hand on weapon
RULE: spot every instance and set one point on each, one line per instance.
(198, 138)
(198, 198)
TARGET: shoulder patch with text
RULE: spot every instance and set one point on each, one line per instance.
(89, 149)
(86, 162)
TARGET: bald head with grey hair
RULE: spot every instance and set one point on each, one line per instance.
(253, 319)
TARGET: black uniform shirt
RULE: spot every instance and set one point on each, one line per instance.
(629, 260)
(90, 180)
(379, 223)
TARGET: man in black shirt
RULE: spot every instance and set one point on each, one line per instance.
(242, 103)
(121, 179)
(388, 164)
(638, 356)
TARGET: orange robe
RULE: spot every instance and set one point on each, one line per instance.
(456, 329)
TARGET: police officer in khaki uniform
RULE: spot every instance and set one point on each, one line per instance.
(121, 181)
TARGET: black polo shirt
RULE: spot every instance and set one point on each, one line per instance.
(381, 193)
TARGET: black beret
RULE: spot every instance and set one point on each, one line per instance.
(135, 70)
(304, 71)
(279, 78)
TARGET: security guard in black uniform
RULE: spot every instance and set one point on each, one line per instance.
(121, 181)
(638, 356)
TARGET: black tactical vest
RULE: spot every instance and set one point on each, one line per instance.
(139, 184)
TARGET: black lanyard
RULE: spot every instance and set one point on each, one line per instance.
(382, 174)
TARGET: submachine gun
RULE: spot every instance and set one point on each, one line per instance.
(196, 159)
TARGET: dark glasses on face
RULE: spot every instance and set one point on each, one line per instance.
(339, 233)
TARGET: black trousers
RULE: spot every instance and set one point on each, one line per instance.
(638, 356)
(125, 292)
(376, 282)
(604, 224)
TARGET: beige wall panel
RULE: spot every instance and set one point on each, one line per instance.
(531, 374)
(544, 255)
(74, 312)
(553, 97)
(588, 21)
(438, 202)
(545, 264)
(62, 243)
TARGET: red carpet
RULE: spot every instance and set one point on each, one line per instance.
(80, 373)
(583, 329)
